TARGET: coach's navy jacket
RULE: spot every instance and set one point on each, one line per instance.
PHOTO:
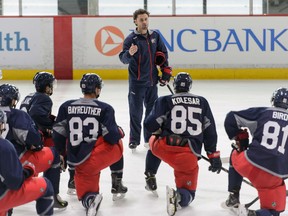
(142, 68)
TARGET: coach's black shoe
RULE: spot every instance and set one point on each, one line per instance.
(59, 203)
(133, 145)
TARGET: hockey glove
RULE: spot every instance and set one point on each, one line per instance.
(160, 58)
(215, 162)
(28, 169)
(242, 141)
(166, 75)
(121, 131)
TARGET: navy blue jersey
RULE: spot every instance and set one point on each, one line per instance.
(25, 104)
(39, 107)
(81, 122)
(269, 129)
(187, 115)
(21, 130)
(11, 171)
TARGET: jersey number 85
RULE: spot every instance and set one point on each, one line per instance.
(181, 118)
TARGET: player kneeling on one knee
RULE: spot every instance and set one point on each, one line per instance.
(98, 143)
(182, 123)
(18, 185)
(264, 156)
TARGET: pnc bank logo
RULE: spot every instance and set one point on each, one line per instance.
(108, 40)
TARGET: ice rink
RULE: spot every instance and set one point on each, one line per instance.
(223, 96)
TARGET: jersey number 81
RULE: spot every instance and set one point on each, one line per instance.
(272, 133)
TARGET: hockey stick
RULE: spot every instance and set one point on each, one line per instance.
(227, 171)
(169, 87)
(247, 205)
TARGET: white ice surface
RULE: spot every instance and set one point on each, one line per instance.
(223, 96)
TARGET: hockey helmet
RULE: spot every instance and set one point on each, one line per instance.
(182, 82)
(280, 98)
(8, 93)
(43, 79)
(89, 82)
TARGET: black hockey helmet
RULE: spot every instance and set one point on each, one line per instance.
(42, 79)
(280, 98)
(9, 92)
(89, 82)
(182, 82)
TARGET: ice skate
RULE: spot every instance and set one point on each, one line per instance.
(242, 211)
(71, 187)
(133, 146)
(231, 202)
(172, 201)
(94, 206)
(118, 189)
(59, 203)
(151, 184)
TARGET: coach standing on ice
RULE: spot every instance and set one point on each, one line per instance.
(144, 50)
(140, 50)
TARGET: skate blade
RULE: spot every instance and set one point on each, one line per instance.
(154, 192)
(59, 208)
(233, 210)
(118, 196)
(94, 208)
(241, 211)
(71, 191)
(146, 145)
(171, 207)
(224, 206)
(170, 192)
(133, 151)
